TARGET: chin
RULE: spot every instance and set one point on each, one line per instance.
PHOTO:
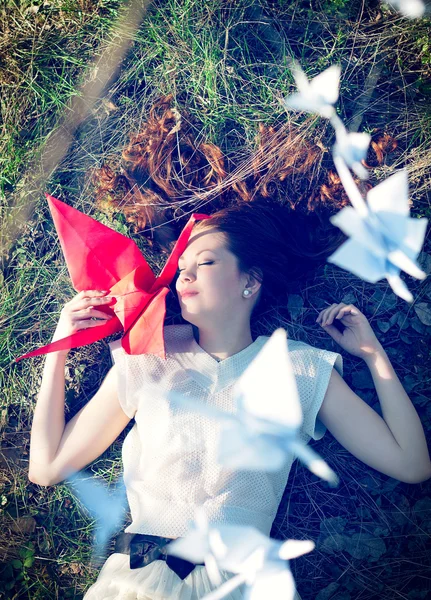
(200, 318)
(195, 318)
(190, 318)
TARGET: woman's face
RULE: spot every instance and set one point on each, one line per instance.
(208, 268)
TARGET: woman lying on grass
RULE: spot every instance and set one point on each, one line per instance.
(235, 264)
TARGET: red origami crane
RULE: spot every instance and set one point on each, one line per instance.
(99, 258)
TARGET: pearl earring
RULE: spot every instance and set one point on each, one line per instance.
(246, 292)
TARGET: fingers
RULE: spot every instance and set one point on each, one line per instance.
(334, 333)
(89, 294)
(90, 298)
(324, 315)
(81, 312)
(89, 313)
(347, 310)
(86, 323)
(335, 311)
(89, 317)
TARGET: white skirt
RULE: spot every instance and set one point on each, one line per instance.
(156, 581)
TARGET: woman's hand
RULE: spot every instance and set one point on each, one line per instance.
(357, 338)
(80, 313)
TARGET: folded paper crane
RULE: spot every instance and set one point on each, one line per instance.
(262, 433)
(383, 237)
(353, 148)
(319, 96)
(316, 96)
(257, 560)
(202, 544)
(109, 509)
(99, 258)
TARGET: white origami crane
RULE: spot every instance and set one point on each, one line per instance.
(316, 96)
(262, 433)
(383, 237)
(353, 148)
(108, 509)
(201, 544)
(319, 96)
(409, 8)
(258, 561)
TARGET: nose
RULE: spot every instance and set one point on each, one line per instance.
(186, 275)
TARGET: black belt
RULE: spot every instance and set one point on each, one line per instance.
(144, 549)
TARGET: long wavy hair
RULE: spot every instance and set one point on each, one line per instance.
(274, 207)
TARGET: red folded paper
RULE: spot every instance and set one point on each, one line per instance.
(99, 258)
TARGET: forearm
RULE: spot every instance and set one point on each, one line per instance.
(48, 419)
(399, 413)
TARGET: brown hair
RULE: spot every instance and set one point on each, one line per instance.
(274, 207)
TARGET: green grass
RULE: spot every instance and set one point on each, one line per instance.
(227, 63)
(42, 57)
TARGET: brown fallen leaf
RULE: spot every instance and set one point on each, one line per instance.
(24, 525)
(68, 568)
(423, 312)
(9, 456)
(75, 568)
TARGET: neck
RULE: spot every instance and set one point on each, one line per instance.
(220, 343)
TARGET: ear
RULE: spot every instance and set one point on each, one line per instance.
(251, 282)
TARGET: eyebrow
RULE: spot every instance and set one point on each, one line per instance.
(206, 250)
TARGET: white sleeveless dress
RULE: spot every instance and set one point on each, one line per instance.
(169, 456)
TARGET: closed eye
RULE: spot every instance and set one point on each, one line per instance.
(205, 263)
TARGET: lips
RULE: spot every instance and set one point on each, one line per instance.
(186, 294)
